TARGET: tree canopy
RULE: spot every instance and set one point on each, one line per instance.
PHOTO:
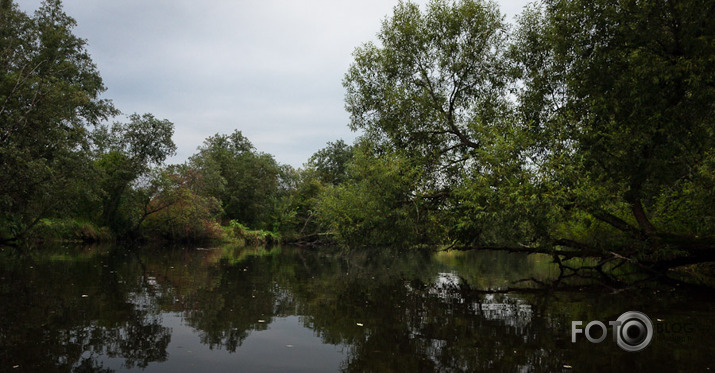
(49, 95)
(584, 129)
(587, 126)
(245, 181)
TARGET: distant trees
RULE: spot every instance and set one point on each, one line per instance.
(331, 163)
(127, 153)
(246, 181)
(176, 209)
(379, 203)
(59, 161)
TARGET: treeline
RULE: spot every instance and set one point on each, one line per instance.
(67, 174)
(586, 128)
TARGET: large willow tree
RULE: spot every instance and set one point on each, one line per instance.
(430, 90)
(589, 126)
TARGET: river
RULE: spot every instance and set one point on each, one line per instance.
(282, 309)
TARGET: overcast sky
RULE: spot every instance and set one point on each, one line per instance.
(270, 68)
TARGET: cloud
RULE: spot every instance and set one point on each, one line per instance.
(271, 68)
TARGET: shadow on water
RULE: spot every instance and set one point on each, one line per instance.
(93, 309)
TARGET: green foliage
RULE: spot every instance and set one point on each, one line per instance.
(591, 127)
(49, 93)
(587, 125)
(436, 78)
(246, 182)
(380, 204)
(330, 163)
(620, 97)
(188, 217)
(297, 217)
(434, 92)
(51, 164)
(70, 230)
(130, 151)
(252, 237)
(301, 221)
(174, 209)
(689, 206)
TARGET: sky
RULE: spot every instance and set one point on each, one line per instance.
(272, 69)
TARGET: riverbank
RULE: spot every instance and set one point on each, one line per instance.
(78, 232)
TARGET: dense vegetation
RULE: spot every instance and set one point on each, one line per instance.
(586, 128)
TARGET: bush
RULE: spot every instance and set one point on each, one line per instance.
(252, 237)
(70, 230)
(189, 217)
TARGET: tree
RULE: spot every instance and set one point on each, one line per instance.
(175, 210)
(299, 220)
(435, 91)
(131, 150)
(590, 131)
(380, 204)
(619, 96)
(49, 94)
(330, 163)
(436, 80)
(247, 181)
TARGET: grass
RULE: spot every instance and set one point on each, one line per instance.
(250, 237)
(70, 230)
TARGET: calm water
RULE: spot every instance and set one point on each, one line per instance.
(293, 310)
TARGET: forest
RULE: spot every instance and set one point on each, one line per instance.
(585, 129)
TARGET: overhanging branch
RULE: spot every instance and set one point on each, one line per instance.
(617, 223)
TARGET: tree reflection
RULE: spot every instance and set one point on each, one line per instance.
(423, 323)
(392, 311)
(59, 312)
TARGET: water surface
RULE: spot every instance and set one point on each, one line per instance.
(227, 309)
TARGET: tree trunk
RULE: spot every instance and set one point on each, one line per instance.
(644, 224)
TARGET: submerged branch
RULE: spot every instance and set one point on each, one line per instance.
(580, 250)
